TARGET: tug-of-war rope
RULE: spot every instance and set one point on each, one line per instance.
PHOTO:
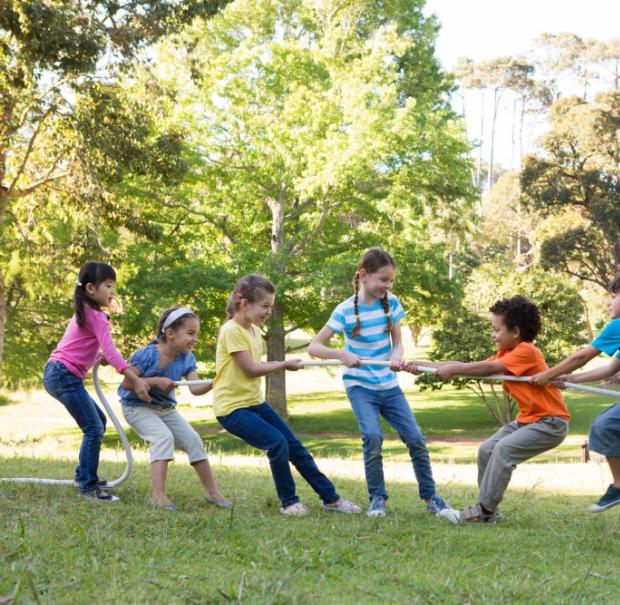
(305, 364)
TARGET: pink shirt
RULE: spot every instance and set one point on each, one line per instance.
(79, 348)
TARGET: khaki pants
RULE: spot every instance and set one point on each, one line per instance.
(165, 430)
(515, 442)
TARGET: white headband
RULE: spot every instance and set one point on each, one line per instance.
(172, 317)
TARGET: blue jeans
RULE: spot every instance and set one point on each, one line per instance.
(261, 427)
(392, 404)
(69, 390)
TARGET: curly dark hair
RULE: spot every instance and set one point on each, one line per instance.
(519, 312)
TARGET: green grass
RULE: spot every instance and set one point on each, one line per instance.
(454, 421)
(58, 548)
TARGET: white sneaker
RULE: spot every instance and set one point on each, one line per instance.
(451, 514)
(342, 506)
(295, 510)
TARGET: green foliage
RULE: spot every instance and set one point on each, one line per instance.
(464, 333)
(579, 172)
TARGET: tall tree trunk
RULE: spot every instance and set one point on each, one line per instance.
(2, 320)
(496, 98)
(275, 385)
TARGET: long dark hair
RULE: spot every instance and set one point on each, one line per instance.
(371, 262)
(251, 287)
(91, 273)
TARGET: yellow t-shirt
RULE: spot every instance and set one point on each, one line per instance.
(232, 388)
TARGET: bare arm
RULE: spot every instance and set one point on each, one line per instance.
(397, 362)
(318, 348)
(263, 368)
(198, 389)
(474, 368)
(613, 367)
(576, 360)
(132, 373)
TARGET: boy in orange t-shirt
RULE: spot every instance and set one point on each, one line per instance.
(542, 422)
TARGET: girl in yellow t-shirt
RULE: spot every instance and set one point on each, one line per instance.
(239, 405)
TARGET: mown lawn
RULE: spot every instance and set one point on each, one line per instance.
(58, 548)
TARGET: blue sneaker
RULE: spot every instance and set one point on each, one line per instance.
(377, 507)
(610, 498)
(436, 504)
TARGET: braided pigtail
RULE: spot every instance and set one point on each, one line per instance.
(388, 314)
(356, 288)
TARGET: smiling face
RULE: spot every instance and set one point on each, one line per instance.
(103, 294)
(377, 284)
(504, 338)
(184, 337)
(259, 311)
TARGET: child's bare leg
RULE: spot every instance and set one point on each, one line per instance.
(203, 469)
(614, 465)
(159, 471)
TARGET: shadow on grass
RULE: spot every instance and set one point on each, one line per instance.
(5, 400)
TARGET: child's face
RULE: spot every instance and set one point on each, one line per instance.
(103, 294)
(378, 284)
(504, 339)
(185, 336)
(614, 305)
(258, 312)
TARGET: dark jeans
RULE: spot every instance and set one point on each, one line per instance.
(260, 426)
(368, 405)
(69, 390)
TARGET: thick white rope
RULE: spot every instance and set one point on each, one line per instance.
(121, 433)
(306, 363)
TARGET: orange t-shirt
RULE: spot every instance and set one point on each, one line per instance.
(534, 401)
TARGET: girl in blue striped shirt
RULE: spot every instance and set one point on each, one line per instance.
(370, 322)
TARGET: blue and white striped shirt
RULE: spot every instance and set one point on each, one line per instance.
(372, 341)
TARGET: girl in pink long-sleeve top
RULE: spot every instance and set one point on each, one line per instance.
(86, 338)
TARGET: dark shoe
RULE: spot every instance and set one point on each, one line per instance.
(100, 483)
(100, 494)
(475, 514)
(610, 498)
(377, 507)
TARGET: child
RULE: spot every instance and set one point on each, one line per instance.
(604, 435)
(542, 422)
(168, 359)
(239, 405)
(370, 322)
(88, 334)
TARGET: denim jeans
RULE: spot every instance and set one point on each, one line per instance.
(392, 404)
(261, 427)
(69, 390)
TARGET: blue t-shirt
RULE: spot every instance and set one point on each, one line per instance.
(608, 340)
(146, 361)
(372, 341)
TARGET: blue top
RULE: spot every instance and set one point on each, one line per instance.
(372, 341)
(608, 340)
(146, 361)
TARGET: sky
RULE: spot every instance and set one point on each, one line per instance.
(484, 29)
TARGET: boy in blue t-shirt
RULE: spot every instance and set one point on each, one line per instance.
(604, 436)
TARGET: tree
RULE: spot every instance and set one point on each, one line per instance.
(63, 124)
(317, 130)
(464, 332)
(579, 172)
